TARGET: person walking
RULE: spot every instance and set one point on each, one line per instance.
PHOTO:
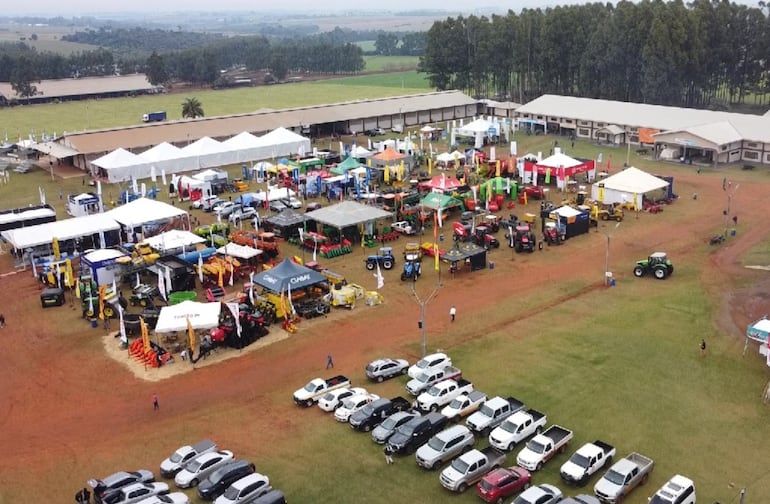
(702, 347)
(452, 313)
(86, 496)
(388, 455)
(2, 320)
(329, 361)
(155, 404)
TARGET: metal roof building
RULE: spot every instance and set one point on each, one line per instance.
(84, 87)
(714, 136)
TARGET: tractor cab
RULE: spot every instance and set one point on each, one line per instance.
(553, 234)
(523, 239)
(383, 258)
(461, 231)
(483, 237)
(492, 222)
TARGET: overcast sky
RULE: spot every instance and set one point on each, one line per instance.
(78, 7)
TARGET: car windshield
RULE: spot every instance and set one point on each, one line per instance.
(521, 500)
(459, 465)
(436, 444)
(434, 391)
(349, 404)
(424, 377)
(536, 447)
(456, 404)
(368, 409)
(328, 396)
(389, 423)
(662, 498)
(487, 411)
(422, 364)
(175, 457)
(508, 426)
(371, 368)
(615, 477)
(310, 387)
(407, 429)
(579, 460)
(194, 466)
(231, 494)
(486, 485)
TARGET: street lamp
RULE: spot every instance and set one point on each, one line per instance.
(423, 302)
(607, 256)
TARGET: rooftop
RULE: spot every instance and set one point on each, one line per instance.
(84, 86)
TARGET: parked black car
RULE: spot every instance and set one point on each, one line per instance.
(218, 481)
(103, 487)
(376, 411)
(416, 432)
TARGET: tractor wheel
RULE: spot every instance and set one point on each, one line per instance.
(387, 264)
(604, 216)
(109, 311)
(370, 265)
(89, 313)
(660, 273)
(638, 272)
(403, 277)
(143, 302)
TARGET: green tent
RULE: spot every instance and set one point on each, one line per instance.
(498, 185)
(349, 164)
(436, 200)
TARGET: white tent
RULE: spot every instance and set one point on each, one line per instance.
(144, 210)
(206, 152)
(567, 212)
(360, 152)
(247, 147)
(629, 185)
(238, 251)
(33, 236)
(478, 129)
(201, 316)
(447, 157)
(174, 240)
(164, 157)
(275, 193)
(118, 164)
(559, 159)
(282, 142)
(210, 175)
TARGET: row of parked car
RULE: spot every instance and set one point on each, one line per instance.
(419, 428)
(218, 476)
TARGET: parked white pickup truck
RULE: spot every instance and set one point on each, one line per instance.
(430, 362)
(464, 404)
(442, 393)
(316, 388)
(516, 428)
(173, 464)
(543, 447)
(492, 413)
(427, 379)
(470, 467)
(624, 475)
(585, 462)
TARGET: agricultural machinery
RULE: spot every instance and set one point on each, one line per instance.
(143, 295)
(553, 234)
(522, 239)
(412, 266)
(461, 231)
(483, 238)
(658, 264)
(384, 259)
(611, 213)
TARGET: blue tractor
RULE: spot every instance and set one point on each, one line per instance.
(412, 268)
(384, 258)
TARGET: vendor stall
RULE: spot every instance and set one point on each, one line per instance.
(102, 265)
(629, 186)
(200, 315)
(574, 221)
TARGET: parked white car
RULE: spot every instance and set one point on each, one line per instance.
(429, 363)
(292, 202)
(242, 214)
(171, 498)
(224, 209)
(678, 490)
(245, 489)
(200, 467)
(333, 399)
(353, 404)
(134, 493)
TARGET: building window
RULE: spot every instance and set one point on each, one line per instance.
(753, 155)
(724, 147)
(569, 121)
(633, 139)
(752, 145)
(601, 125)
(633, 130)
(539, 117)
(584, 132)
(584, 123)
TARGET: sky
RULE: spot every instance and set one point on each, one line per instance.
(79, 7)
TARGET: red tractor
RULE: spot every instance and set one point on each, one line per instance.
(523, 239)
(553, 234)
(461, 231)
(483, 238)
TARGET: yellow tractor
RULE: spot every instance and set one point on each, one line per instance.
(610, 213)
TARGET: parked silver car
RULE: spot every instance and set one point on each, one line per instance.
(200, 467)
(382, 432)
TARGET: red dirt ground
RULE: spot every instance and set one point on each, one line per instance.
(67, 409)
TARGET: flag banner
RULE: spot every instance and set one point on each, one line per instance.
(291, 303)
(145, 335)
(200, 268)
(168, 284)
(380, 278)
(161, 286)
(233, 307)
(77, 289)
(123, 336)
(144, 190)
(514, 149)
(90, 302)
(435, 244)
(548, 175)
(251, 288)
(163, 177)
(138, 281)
(153, 174)
(191, 336)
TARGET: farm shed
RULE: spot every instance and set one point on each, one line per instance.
(630, 184)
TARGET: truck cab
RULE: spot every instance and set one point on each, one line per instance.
(678, 490)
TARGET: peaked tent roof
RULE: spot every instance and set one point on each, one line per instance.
(117, 158)
(720, 133)
(144, 210)
(347, 213)
(32, 236)
(360, 152)
(437, 200)
(346, 165)
(633, 180)
(389, 155)
(288, 273)
(205, 145)
(161, 152)
(243, 140)
(559, 159)
(477, 126)
(279, 136)
(201, 316)
(286, 218)
(239, 251)
(443, 183)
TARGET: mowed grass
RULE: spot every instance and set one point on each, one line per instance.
(405, 80)
(377, 63)
(366, 45)
(20, 121)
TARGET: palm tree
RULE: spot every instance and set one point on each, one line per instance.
(192, 108)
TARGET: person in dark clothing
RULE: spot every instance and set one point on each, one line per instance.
(2, 320)
(155, 403)
(329, 361)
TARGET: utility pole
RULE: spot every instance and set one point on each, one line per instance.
(607, 256)
(423, 302)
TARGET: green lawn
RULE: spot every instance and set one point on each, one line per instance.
(376, 63)
(406, 80)
(366, 45)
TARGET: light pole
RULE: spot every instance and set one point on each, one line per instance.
(423, 302)
(730, 192)
(607, 256)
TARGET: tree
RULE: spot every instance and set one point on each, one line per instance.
(386, 44)
(192, 108)
(24, 77)
(156, 69)
(278, 66)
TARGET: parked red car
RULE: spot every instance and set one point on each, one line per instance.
(503, 482)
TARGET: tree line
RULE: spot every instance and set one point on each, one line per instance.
(702, 54)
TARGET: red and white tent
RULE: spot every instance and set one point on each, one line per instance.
(441, 184)
(558, 165)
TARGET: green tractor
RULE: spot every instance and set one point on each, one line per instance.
(658, 263)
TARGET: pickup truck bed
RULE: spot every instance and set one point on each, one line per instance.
(557, 433)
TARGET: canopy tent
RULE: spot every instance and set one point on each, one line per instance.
(629, 185)
(288, 273)
(476, 255)
(101, 264)
(441, 183)
(479, 130)
(388, 157)
(68, 229)
(163, 157)
(283, 142)
(347, 213)
(576, 222)
(211, 175)
(446, 157)
(173, 240)
(118, 164)
(247, 147)
(238, 251)
(287, 218)
(560, 165)
(201, 316)
(759, 330)
(349, 164)
(207, 152)
(438, 201)
(359, 152)
(274, 193)
(143, 211)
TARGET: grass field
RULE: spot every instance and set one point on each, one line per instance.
(366, 45)
(18, 122)
(48, 38)
(376, 63)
